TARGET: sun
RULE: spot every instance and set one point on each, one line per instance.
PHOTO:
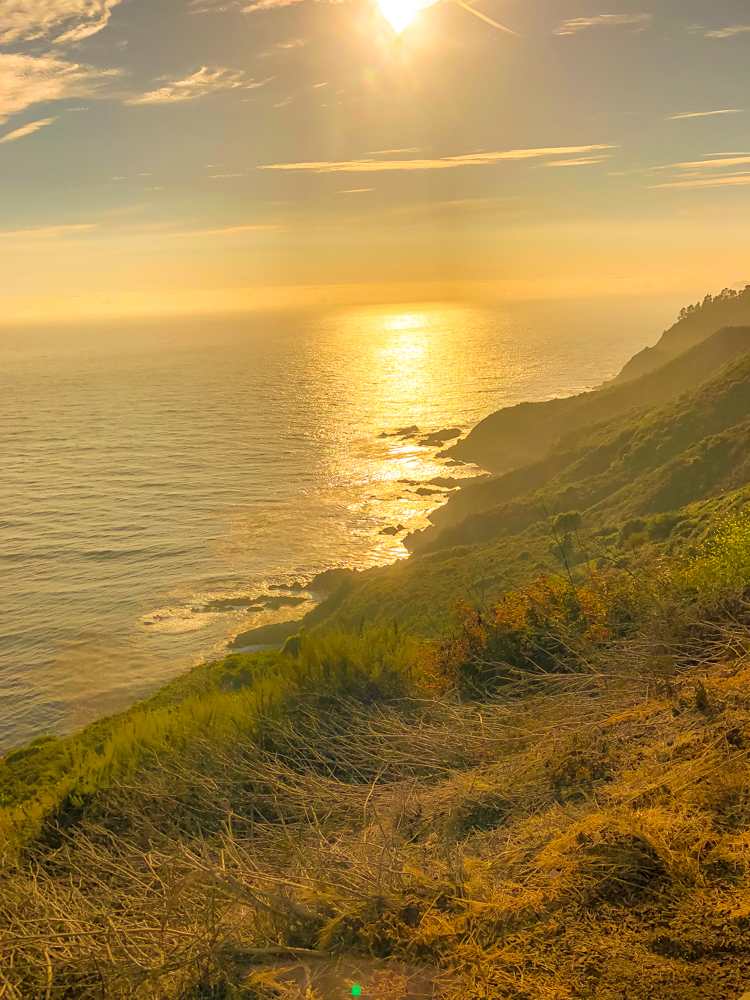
(400, 12)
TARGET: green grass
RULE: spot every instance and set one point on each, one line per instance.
(581, 831)
(52, 776)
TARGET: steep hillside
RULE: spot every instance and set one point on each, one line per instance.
(696, 365)
(516, 435)
(638, 463)
(547, 802)
(694, 324)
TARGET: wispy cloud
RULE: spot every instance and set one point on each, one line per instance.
(27, 80)
(204, 6)
(704, 114)
(241, 229)
(205, 81)
(733, 29)
(583, 161)
(266, 5)
(571, 26)
(45, 232)
(729, 180)
(722, 161)
(356, 191)
(446, 162)
(395, 152)
(62, 20)
(27, 130)
(229, 231)
(280, 47)
(713, 171)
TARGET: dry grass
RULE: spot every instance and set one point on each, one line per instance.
(585, 839)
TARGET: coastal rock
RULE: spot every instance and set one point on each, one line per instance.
(425, 491)
(451, 483)
(401, 432)
(417, 539)
(440, 437)
(296, 585)
(453, 462)
(331, 579)
(266, 635)
(409, 482)
(274, 603)
(391, 530)
(228, 603)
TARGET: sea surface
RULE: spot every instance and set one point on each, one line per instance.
(150, 467)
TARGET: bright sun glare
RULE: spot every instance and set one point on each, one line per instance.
(400, 12)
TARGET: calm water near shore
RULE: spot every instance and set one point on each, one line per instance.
(149, 468)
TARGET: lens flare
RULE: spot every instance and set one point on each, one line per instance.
(400, 12)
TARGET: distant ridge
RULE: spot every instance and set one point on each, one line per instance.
(517, 435)
(638, 463)
(695, 323)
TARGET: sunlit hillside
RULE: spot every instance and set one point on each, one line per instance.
(512, 766)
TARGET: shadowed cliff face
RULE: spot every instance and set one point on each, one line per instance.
(517, 435)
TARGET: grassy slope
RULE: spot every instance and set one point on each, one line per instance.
(638, 463)
(519, 434)
(581, 834)
(692, 368)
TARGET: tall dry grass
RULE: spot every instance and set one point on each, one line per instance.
(573, 822)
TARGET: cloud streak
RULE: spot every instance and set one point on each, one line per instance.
(575, 24)
(701, 173)
(205, 81)
(729, 180)
(27, 80)
(45, 232)
(62, 20)
(266, 5)
(733, 29)
(583, 161)
(704, 114)
(443, 163)
(27, 130)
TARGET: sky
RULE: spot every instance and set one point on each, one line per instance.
(179, 155)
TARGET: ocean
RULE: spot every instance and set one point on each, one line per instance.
(151, 467)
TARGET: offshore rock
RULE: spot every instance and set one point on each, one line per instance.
(440, 437)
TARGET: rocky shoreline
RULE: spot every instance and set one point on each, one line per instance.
(334, 584)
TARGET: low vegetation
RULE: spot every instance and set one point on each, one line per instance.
(547, 800)
(515, 766)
